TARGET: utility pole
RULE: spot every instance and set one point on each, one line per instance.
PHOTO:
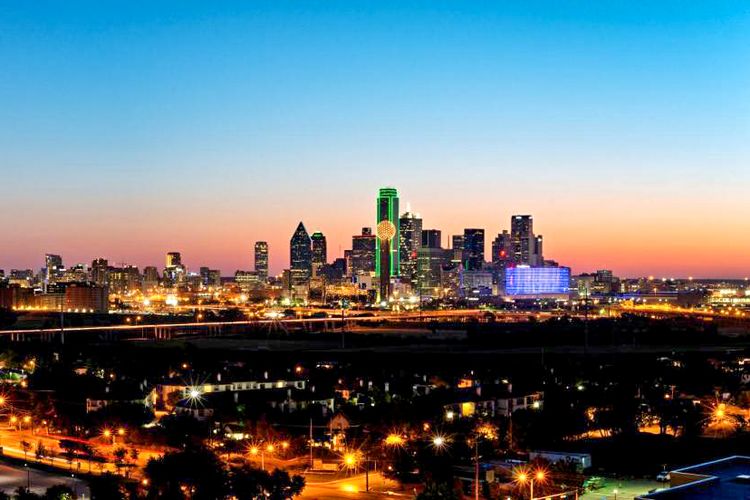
(476, 468)
(311, 445)
(62, 320)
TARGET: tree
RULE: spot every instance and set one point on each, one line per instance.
(120, 453)
(248, 483)
(59, 492)
(196, 470)
(25, 446)
(25, 494)
(107, 487)
(438, 491)
(40, 451)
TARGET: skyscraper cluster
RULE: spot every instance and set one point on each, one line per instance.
(402, 258)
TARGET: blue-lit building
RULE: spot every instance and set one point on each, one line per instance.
(526, 281)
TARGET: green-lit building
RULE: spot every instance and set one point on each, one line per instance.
(387, 241)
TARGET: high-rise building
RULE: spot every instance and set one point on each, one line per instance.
(53, 266)
(431, 258)
(210, 277)
(537, 257)
(522, 235)
(431, 238)
(387, 232)
(362, 256)
(319, 251)
(261, 260)
(124, 279)
(174, 271)
(502, 250)
(473, 254)
(174, 259)
(150, 278)
(300, 256)
(457, 245)
(410, 234)
(100, 271)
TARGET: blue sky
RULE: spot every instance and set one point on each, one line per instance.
(131, 128)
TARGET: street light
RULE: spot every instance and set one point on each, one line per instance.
(439, 442)
(394, 440)
(539, 476)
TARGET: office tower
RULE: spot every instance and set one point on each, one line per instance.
(100, 271)
(473, 254)
(174, 271)
(319, 251)
(431, 257)
(431, 238)
(537, 257)
(457, 245)
(210, 277)
(124, 279)
(261, 260)
(386, 243)
(150, 278)
(174, 259)
(53, 266)
(362, 256)
(300, 256)
(502, 250)
(410, 229)
(522, 235)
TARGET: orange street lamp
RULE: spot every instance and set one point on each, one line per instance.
(394, 440)
(539, 477)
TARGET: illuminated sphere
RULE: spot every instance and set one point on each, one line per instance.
(386, 230)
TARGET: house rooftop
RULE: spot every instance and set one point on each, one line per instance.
(725, 478)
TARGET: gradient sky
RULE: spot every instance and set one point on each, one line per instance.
(128, 129)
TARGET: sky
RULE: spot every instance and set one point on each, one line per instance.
(129, 129)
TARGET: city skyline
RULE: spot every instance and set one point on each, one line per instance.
(132, 130)
(276, 261)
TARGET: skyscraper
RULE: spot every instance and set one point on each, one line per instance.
(300, 256)
(527, 250)
(431, 238)
(362, 257)
(388, 237)
(174, 270)
(53, 265)
(319, 251)
(430, 259)
(473, 254)
(502, 250)
(261, 260)
(174, 259)
(100, 271)
(410, 234)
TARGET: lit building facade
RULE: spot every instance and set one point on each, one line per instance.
(261, 260)
(319, 251)
(387, 238)
(300, 256)
(473, 253)
(362, 256)
(410, 234)
(537, 281)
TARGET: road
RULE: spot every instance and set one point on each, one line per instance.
(317, 488)
(11, 439)
(11, 477)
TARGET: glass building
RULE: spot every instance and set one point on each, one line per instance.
(261, 260)
(534, 281)
(300, 258)
(387, 239)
